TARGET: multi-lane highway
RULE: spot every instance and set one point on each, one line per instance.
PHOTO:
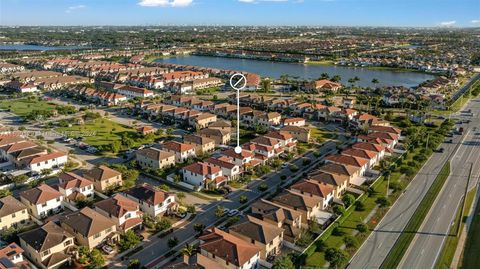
(427, 244)
(378, 244)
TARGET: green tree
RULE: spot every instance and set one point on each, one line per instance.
(219, 211)
(266, 85)
(336, 257)
(163, 224)
(350, 242)
(338, 210)
(96, 259)
(283, 262)
(362, 228)
(199, 227)
(134, 264)
(243, 199)
(115, 146)
(348, 199)
(383, 201)
(189, 250)
(5, 192)
(128, 240)
(181, 196)
(173, 241)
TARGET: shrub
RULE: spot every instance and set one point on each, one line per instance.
(337, 231)
(383, 201)
(348, 199)
(359, 206)
(283, 177)
(294, 168)
(243, 199)
(362, 228)
(338, 210)
(336, 257)
(350, 242)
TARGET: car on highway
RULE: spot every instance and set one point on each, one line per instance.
(449, 141)
(285, 165)
(225, 211)
(440, 150)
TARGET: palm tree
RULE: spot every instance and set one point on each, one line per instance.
(188, 250)
(324, 76)
(336, 78)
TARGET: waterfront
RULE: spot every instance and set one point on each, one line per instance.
(304, 71)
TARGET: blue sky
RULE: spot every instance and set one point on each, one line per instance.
(422, 13)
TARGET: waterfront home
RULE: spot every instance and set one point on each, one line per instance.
(323, 85)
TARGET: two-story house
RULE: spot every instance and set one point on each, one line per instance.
(48, 246)
(103, 177)
(203, 175)
(182, 151)
(123, 211)
(153, 202)
(12, 213)
(42, 201)
(154, 158)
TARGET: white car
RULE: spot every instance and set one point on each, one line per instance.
(233, 212)
(107, 249)
(285, 165)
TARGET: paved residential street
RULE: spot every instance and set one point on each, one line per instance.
(206, 216)
(374, 250)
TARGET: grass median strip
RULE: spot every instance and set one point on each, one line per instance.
(401, 245)
(471, 259)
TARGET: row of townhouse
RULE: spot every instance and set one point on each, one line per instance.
(188, 87)
(190, 116)
(7, 68)
(248, 116)
(271, 224)
(18, 154)
(216, 172)
(98, 96)
(54, 243)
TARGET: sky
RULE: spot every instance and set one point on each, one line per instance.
(404, 13)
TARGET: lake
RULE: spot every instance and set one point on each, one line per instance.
(24, 47)
(303, 71)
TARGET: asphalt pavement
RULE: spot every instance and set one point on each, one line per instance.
(377, 246)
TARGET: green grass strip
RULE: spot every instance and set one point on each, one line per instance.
(401, 245)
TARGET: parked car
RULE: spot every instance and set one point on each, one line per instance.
(449, 141)
(107, 249)
(440, 150)
(225, 211)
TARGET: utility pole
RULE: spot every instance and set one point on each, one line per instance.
(464, 200)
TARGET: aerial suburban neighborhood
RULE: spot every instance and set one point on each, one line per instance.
(132, 144)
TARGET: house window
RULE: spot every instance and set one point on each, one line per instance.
(109, 230)
(67, 243)
(58, 199)
(44, 204)
(97, 235)
(46, 252)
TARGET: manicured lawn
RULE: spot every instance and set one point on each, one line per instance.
(450, 246)
(320, 135)
(102, 132)
(23, 107)
(324, 62)
(471, 259)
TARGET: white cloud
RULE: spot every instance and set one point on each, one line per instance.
(258, 1)
(73, 8)
(475, 21)
(165, 3)
(448, 23)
